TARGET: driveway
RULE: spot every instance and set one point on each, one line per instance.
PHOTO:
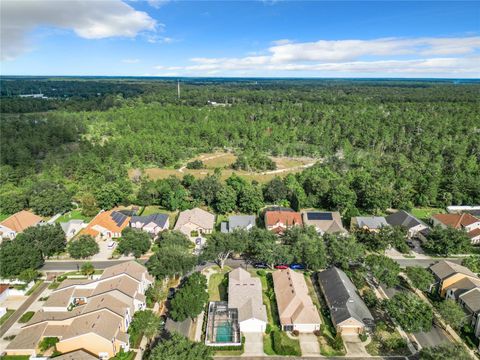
(309, 344)
(253, 344)
(354, 346)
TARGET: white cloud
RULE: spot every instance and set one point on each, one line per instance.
(131, 61)
(157, 3)
(439, 57)
(93, 19)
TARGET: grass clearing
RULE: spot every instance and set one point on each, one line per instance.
(6, 316)
(426, 213)
(73, 215)
(26, 317)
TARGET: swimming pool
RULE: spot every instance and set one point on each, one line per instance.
(224, 333)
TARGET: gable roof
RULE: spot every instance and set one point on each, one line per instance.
(456, 221)
(197, 216)
(342, 297)
(444, 269)
(286, 217)
(74, 222)
(472, 299)
(371, 222)
(294, 303)
(21, 220)
(158, 219)
(326, 221)
(238, 222)
(463, 285)
(77, 355)
(245, 294)
(113, 221)
(403, 219)
(132, 268)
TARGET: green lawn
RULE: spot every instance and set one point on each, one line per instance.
(218, 285)
(125, 356)
(34, 287)
(6, 316)
(3, 216)
(73, 215)
(26, 317)
(426, 213)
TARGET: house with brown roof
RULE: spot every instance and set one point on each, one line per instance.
(295, 307)
(194, 221)
(17, 223)
(453, 279)
(329, 222)
(466, 222)
(279, 220)
(106, 225)
(88, 315)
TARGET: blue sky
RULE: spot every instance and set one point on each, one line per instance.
(240, 38)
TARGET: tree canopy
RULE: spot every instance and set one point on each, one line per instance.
(190, 298)
(83, 247)
(178, 347)
(134, 242)
(411, 313)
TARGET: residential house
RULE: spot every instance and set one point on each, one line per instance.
(470, 302)
(77, 355)
(462, 209)
(349, 313)
(279, 220)
(370, 223)
(407, 221)
(245, 294)
(88, 315)
(195, 221)
(329, 222)
(17, 223)
(106, 225)
(72, 227)
(152, 224)
(452, 279)
(238, 222)
(295, 307)
(466, 222)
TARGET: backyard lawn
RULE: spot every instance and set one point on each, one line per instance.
(426, 213)
(218, 284)
(73, 215)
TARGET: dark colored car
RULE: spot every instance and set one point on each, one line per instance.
(281, 267)
(297, 266)
(260, 266)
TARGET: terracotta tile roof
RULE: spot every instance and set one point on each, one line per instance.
(474, 233)
(3, 288)
(456, 220)
(288, 218)
(113, 221)
(21, 220)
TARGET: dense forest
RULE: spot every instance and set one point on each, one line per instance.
(380, 144)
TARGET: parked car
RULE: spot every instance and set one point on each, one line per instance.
(260, 266)
(281, 266)
(297, 266)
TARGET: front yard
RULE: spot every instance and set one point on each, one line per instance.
(218, 284)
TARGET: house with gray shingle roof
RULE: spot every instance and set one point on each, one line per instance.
(72, 227)
(238, 222)
(349, 313)
(370, 223)
(405, 220)
(151, 224)
(329, 222)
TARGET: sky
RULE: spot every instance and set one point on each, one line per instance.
(268, 38)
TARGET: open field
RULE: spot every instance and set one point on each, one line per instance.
(223, 160)
(426, 213)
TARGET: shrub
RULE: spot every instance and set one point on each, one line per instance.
(261, 272)
(295, 332)
(318, 332)
(26, 317)
(363, 337)
(47, 343)
(195, 164)
(268, 329)
(337, 343)
(370, 298)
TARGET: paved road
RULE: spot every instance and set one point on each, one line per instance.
(19, 312)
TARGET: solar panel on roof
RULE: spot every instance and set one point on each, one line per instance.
(319, 216)
(119, 218)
